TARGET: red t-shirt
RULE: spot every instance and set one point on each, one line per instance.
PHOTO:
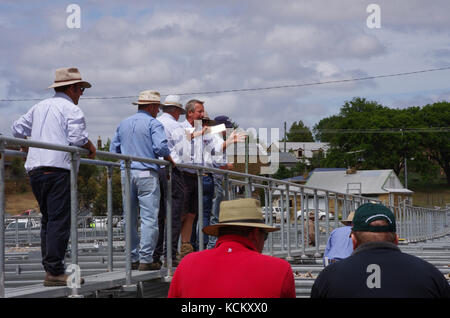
(233, 269)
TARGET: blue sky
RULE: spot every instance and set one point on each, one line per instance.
(124, 47)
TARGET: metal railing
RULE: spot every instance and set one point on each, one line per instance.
(298, 203)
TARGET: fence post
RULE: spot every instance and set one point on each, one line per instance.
(169, 221)
(336, 210)
(270, 207)
(296, 221)
(327, 215)
(302, 218)
(316, 223)
(127, 210)
(2, 219)
(282, 219)
(200, 234)
(109, 208)
(75, 157)
(288, 225)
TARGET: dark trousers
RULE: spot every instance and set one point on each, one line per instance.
(208, 194)
(52, 192)
(177, 209)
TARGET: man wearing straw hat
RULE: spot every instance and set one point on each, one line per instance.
(141, 135)
(58, 121)
(235, 268)
(339, 245)
(172, 110)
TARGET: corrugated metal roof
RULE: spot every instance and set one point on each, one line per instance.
(372, 181)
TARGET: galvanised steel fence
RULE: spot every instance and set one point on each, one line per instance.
(306, 216)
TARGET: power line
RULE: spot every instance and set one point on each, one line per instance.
(384, 130)
(257, 88)
(376, 130)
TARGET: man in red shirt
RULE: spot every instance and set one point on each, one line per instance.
(235, 268)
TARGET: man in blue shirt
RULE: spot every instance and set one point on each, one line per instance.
(141, 135)
(339, 245)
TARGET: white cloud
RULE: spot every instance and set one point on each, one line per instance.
(199, 46)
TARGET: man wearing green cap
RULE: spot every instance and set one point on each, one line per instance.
(377, 268)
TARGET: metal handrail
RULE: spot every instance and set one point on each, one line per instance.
(414, 223)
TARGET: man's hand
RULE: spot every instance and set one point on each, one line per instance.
(234, 137)
(169, 158)
(92, 150)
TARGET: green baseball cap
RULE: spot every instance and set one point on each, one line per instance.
(369, 212)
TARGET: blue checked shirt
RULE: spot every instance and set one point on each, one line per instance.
(140, 135)
(339, 245)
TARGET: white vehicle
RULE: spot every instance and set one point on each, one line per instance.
(22, 224)
(322, 215)
(99, 222)
(276, 212)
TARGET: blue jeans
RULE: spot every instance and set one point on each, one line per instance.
(219, 194)
(145, 195)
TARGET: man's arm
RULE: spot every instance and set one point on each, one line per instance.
(92, 150)
(21, 128)
(234, 137)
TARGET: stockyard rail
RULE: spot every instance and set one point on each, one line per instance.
(414, 224)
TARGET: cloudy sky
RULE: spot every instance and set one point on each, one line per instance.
(189, 47)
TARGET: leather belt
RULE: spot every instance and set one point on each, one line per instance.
(43, 170)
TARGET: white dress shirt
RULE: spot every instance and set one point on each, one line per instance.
(176, 139)
(55, 120)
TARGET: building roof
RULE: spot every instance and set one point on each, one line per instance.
(364, 181)
(295, 179)
(286, 157)
(307, 147)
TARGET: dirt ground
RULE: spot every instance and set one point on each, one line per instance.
(17, 203)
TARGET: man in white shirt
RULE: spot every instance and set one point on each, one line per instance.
(194, 114)
(55, 120)
(179, 151)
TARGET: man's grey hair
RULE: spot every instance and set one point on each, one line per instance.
(190, 105)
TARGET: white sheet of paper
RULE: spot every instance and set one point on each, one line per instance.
(217, 129)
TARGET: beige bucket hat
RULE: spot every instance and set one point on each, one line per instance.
(68, 75)
(173, 100)
(206, 119)
(349, 219)
(240, 212)
(148, 97)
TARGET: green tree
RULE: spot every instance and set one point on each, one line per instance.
(368, 134)
(282, 173)
(299, 132)
(436, 144)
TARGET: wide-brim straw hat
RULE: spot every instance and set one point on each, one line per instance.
(67, 76)
(173, 100)
(240, 212)
(208, 120)
(148, 97)
(349, 219)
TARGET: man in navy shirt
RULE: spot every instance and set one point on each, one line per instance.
(141, 135)
(377, 267)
